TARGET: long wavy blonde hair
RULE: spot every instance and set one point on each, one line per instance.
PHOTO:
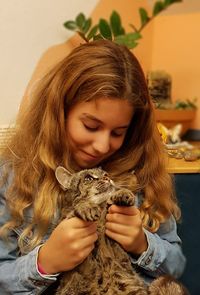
(93, 70)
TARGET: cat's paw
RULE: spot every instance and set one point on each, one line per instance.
(87, 213)
(122, 197)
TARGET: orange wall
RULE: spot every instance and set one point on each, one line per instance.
(176, 49)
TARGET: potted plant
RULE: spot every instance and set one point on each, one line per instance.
(113, 29)
(167, 112)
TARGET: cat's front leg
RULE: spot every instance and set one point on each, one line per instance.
(122, 197)
(87, 211)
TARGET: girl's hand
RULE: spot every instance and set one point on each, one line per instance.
(124, 225)
(68, 245)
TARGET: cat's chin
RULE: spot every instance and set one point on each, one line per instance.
(102, 197)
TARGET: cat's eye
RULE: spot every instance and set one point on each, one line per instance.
(89, 177)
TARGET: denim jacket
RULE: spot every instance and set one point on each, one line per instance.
(19, 273)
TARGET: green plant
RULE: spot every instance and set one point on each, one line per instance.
(113, 29)
(188, 104)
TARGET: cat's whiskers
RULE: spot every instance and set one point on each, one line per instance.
(102, 197)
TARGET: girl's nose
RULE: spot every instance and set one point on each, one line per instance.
(101, 145)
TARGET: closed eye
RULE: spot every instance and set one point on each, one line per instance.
(92, 129)
(116, 133)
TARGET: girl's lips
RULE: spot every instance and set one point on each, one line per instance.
(91, 157)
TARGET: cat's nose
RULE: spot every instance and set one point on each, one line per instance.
(106, 178)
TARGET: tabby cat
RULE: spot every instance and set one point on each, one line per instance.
(107, 269)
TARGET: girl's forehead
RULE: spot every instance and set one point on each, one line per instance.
(103, 110)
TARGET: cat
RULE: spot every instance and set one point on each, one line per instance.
(170, 135)
(108, 269)
(167, 285)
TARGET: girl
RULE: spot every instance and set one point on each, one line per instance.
(91, 109)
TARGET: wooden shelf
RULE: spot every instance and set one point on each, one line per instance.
(182, 166)
(170, 118)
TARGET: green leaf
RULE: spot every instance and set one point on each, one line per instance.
(158, 7)
(167, 2)
(115, 22)
(105, 29)
(70, 25)
(122, 31)
(192, 104)
(87, 25)
(144, 18)
(128, 39)
(98, 37)
(92, 32)
(82, 35)
(80, 20)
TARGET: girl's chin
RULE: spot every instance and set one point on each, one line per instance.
(85, 165)
(84, 160)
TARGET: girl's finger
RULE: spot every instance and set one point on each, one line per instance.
(122, 219)
(121, 239)
(132, 210)
(119, 229)
(77, 222)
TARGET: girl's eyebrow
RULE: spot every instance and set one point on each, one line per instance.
(91, 117)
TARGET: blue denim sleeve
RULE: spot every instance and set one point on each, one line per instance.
(164, 254)
(18, 274)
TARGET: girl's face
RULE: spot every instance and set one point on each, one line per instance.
(96, 129)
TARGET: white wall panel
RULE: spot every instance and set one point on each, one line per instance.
(27, 29)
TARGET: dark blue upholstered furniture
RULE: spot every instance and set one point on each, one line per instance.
(188, 194)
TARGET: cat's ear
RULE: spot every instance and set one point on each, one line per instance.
(177, 128)
(63, 176)
(175, 135)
